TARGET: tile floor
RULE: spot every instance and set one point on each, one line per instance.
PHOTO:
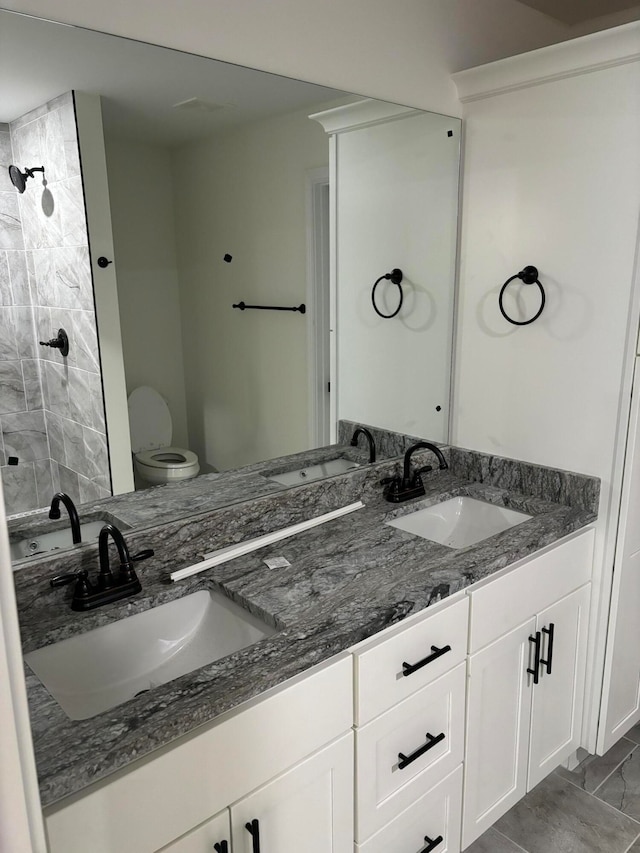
(592, 809)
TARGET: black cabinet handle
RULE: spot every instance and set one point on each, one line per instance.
(550, 631)
(221, 847)
(253, 829)
(408, 668)
(432, 740)
(431, 843)
(536, 666)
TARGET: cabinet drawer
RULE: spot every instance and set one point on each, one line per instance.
(379, 671)
(434, 815)
(404, 752)
(536, 584)
(201, 840)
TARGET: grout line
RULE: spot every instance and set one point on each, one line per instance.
(617, 767)
(632, 843)
(511, 840)
(613, 808)
(633, 746)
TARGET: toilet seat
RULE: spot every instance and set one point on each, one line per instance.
(155, 459)
(165, 457)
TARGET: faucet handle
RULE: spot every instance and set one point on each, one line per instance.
(127, 572)
(142, 555)
(69, 577)
(83, 587)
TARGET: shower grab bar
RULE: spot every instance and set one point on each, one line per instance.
(243, 306)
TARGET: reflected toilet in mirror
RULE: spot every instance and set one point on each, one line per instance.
(155, 460)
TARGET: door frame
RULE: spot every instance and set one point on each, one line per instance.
(318, 306)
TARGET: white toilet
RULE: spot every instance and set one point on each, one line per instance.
(151, 428)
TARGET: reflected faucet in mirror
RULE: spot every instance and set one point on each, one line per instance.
(372, 445)
(54, 513)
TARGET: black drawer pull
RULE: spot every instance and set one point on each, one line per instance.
(432, 740)
(221, 847)
(431, 843)
(536, 665)
(253, 829)
(550, 631)
(408, 668)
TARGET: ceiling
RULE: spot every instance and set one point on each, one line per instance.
(580, 11)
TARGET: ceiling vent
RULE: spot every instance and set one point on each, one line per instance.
(197, 105)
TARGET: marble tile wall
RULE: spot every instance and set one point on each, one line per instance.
(51, 407)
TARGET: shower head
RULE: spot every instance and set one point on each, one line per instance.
(19, 179)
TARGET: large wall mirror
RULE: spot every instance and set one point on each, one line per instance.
(207, 185)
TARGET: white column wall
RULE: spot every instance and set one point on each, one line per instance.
(551, 178)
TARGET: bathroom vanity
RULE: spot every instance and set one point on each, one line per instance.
(267, 734)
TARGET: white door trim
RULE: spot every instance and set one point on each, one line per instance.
(318, 320)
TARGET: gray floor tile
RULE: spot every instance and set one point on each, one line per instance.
(595, 768)
(634, 734)
(493, 842)
(622, 788)
(635, 848)
(557, 816)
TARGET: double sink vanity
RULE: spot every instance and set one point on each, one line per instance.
(442, 637)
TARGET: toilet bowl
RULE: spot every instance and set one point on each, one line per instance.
(155, 460)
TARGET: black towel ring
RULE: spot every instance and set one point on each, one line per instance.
(395, 277)
(529, 275)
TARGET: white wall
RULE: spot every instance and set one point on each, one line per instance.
(141, 192)
(246, 371)
(551, 179)
(396, 206)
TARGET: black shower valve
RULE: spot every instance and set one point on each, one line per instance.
(61, 342)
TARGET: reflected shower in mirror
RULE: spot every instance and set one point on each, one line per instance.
(206, 185)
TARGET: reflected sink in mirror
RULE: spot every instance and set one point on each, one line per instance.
(313, 472)
(459, 522)
(95, 671)
(41, 543)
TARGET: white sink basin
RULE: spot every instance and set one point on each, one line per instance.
(459, 522)
(31, 546)
(93, 672)
(314, 472)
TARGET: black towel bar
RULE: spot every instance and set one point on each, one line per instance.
(243, 307)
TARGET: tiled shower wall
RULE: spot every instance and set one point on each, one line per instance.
(51, 408)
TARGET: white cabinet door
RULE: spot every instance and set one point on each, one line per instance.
(309, 808)
(214, 836)
(556, 716)
(498, 718)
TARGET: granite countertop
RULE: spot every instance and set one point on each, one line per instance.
(348, 579)
(167, 502)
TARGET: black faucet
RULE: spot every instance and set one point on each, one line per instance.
(403, 489)
(372, 445)
(54, 512)
(108, 587)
